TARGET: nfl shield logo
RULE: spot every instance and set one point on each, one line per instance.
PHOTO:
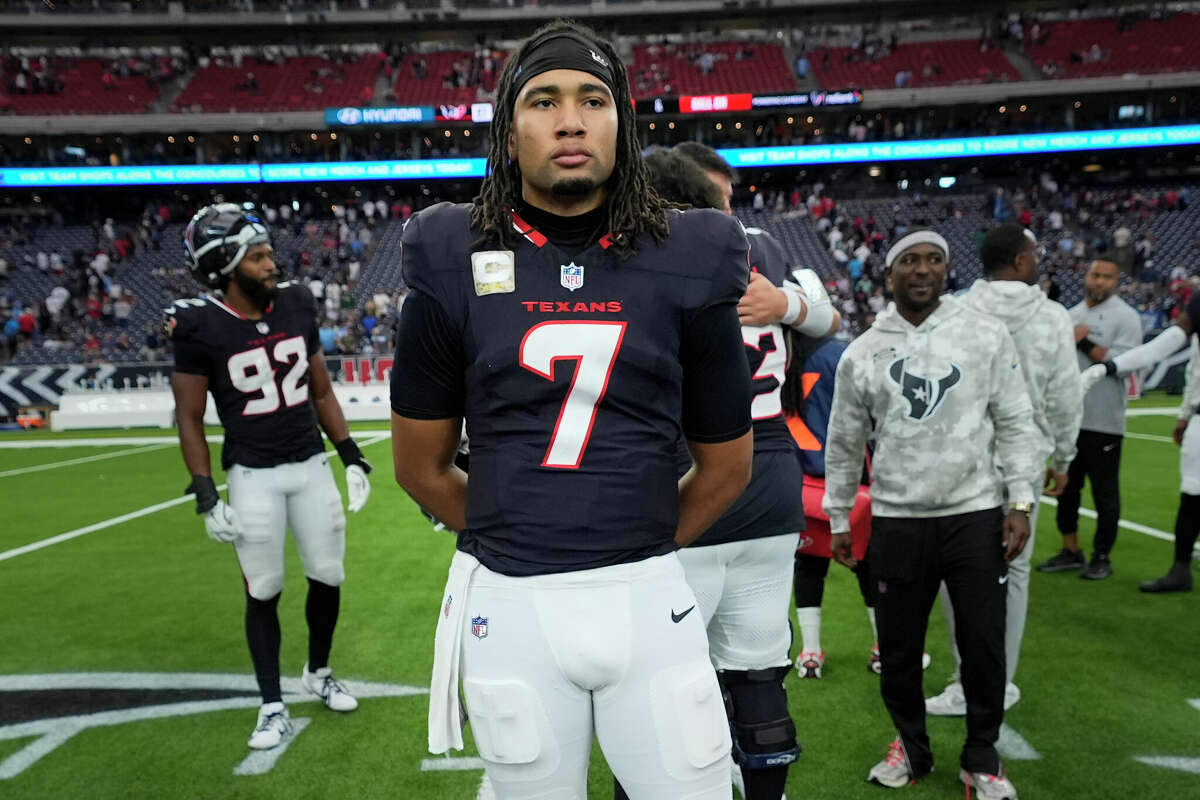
(572, 276)
(479, 627)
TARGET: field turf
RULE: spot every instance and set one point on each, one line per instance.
(1106, 672)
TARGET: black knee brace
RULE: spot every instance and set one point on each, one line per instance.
(764, 736)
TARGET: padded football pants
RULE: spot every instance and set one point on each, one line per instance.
(743, 591)
(302, 496)
(909, 559)
(619, 652)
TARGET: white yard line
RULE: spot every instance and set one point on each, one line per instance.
(260, 762)
(99, 526)
(34, 444)
(370, 437)
(84, 460)
(1137, 527)
(1149, 437)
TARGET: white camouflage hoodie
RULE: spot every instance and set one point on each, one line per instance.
(948, 410)
(1045, 338)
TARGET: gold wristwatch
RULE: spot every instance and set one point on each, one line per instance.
(1024, 508)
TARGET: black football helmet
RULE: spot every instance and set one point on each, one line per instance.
(217, 239)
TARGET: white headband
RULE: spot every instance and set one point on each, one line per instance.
(914, 238)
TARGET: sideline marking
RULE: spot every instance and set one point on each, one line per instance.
(1013, 746)
(260, 762)
(450, 764)
(54, 732)
(1136, 527)
(98, 526)
(1149, 437)
(83, 460)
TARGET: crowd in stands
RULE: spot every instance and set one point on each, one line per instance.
(1149, 232)
(70, 82)
(95, 294)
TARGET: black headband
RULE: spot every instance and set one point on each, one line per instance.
(565, 50)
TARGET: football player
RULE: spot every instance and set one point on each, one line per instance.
(740, 568)
(1186, 435)
(253, 343)
(580, 325)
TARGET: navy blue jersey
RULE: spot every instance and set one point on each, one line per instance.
(576, 375)
(772, 504)
(257, 372)
(818, 372)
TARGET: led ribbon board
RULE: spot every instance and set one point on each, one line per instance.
(739, 157)
(978, 146)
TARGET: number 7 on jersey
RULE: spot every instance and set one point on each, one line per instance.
(594, 346)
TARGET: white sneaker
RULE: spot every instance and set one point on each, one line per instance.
(950, 703)
(332, 693)
(989, 787)
(273, 724)
(1012, 696)
(808, 664)
(894, 772)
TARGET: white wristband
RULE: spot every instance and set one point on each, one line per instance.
(794, 306)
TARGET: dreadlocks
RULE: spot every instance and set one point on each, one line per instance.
(632, 204)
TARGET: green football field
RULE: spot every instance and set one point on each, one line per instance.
(124, 671)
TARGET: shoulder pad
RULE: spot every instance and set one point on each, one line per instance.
(182, 318)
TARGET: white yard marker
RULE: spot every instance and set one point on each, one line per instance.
(260, 762)
(1149, 437)
(53, 733)
(82, 460)
(99, 526)
(1013, 746)
(1181, 763)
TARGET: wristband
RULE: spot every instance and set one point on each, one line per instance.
(350, 455)
(1110, 367)
(1085, 345)
(794, 306)
(206, 493)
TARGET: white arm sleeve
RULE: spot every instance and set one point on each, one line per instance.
(1151, 352)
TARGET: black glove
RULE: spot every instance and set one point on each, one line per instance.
(206, 493)
(351, 456)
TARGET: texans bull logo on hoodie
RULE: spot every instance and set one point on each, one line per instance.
(924, 395)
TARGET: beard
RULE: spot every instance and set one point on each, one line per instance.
(573, 187)
(256, 291)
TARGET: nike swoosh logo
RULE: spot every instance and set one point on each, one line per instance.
(1003, 579)
(677, 617)
(1110, 447)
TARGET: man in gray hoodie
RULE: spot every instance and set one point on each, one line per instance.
(938, 386)
(1044, 336)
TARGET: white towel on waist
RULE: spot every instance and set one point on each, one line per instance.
(445, 713)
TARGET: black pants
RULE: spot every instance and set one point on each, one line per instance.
(1098, 460)
(909, 558)
(809, 580)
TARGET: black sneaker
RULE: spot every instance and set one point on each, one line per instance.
(1064, 561)
(1178, 579)
(1097, 569)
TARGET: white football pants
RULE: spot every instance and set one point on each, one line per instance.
(1189, 458)
(302, 496)
(744, 590)
(617, 651)
(1017, 602)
